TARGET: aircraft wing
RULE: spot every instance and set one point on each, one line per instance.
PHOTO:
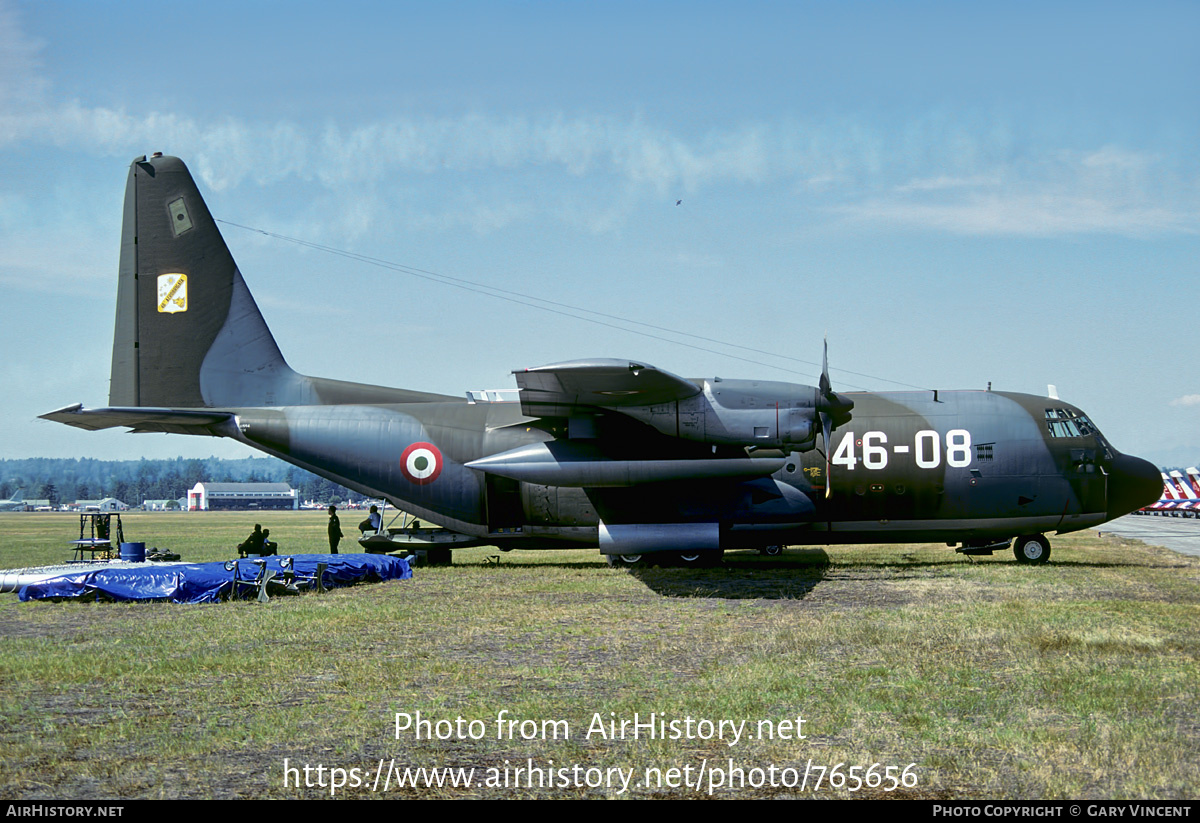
(559, 389)
(140, 419)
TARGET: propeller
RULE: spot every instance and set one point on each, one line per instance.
(834, 410)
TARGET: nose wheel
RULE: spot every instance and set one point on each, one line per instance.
(1031, 549)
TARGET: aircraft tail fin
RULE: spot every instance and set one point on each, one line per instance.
(188, 333)
(1184, 485)
(1193, 477)
(18, 497)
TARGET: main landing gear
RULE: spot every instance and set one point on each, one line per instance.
(700, 559)
(689, 559)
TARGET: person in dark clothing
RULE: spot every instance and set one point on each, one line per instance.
(335, 530)
(254, 543)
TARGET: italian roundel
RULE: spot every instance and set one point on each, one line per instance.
(421, 463)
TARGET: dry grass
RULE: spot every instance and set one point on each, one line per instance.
(1075, 680)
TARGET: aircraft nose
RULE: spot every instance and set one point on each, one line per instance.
(1132, 484)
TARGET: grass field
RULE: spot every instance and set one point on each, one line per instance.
(1079, 679)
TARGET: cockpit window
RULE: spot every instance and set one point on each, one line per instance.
(1068, 423)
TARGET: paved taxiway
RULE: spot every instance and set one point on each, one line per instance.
(1175, 533)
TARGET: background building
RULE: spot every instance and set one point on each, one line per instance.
(209, 496)
(158, 505)
(108, 504)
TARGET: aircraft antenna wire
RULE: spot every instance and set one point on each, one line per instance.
(512, 296)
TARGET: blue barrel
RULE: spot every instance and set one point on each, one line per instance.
(133, 552)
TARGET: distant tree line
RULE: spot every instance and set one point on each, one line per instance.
(64, 480)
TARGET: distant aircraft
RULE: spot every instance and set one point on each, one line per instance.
(1167, 501)
(1188, 499)
(1168, 498)
(607, 453)
(14, 503)
(1194, 478)
(1181, 495)
(1191, 486)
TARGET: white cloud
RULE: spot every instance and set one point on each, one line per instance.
(1108, 191)
(1187, 400)
(227, 153)
(20, 79)
(959, 174)
(943, 182)
(1113, 157)
(1028, 214)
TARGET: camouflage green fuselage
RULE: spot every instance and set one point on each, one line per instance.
(909, 466)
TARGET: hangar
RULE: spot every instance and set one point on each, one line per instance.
(211, 496)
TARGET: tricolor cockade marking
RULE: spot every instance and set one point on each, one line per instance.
(421, 463)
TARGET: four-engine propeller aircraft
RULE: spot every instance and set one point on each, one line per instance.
(610, 453)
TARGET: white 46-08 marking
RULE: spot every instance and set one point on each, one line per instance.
(926, 448)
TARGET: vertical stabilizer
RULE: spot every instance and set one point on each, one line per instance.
(1193, 475)
(188, 333)
(1185, 487)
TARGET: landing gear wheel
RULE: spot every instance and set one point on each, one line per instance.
(700, 559)
(1031, 549)
(771, 551)
(625, 561)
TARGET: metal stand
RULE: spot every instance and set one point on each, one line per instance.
(95, 535)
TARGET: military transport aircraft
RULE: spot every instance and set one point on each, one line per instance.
(14, 503)
(615, 454)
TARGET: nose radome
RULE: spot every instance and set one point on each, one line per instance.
(1132, 484)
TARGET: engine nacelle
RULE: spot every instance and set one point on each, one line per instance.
(760, 413)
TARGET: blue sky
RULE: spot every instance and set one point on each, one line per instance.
(953, 193)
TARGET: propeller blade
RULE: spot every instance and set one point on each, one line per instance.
(824, 385)
(827, 430)
(834, 409)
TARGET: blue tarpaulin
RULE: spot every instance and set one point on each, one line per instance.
(210, 582)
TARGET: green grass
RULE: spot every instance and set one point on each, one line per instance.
(1074, 680)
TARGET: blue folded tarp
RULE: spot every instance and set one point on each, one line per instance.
(209, 582)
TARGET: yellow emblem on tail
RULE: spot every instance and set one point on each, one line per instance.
(172, 293)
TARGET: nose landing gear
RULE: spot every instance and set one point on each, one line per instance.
(1031, 549)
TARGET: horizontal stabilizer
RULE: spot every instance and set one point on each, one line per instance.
(142, 419)
(558, 390)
